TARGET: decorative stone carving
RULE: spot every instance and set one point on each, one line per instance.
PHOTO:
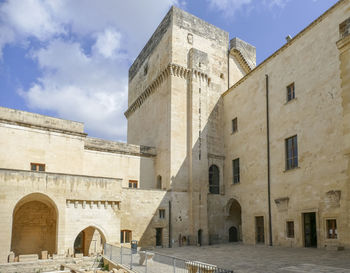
(190, 38)
(333, 198)
(282, 203)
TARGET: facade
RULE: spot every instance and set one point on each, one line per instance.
(218, 150)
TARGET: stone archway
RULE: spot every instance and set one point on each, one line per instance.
(34, 225)
(89, 241)
(234, 220)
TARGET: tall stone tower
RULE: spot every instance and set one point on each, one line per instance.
(174, 104)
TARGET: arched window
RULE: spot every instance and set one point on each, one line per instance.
(214, 179)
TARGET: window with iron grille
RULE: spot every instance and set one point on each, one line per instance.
(38, 167)
(290, 92)
(291, 152)
(290, 229)
(332, 232)
(235, 170)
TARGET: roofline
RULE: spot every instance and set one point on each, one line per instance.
(299, 35)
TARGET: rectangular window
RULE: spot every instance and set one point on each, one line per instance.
(162, 213)
(290, 229)
(133, 184)
(291, 152)
(234, 125)
(235, 169)
(125, 236)
(290, 92)
(38, 167)
(332, 232)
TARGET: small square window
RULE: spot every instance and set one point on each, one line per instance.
(125, 236)
(162, 213)
(133, 184)
(235, 170)
(37, 167)
(290, 229)
(332, 232)
(234, 125)
(290, 92)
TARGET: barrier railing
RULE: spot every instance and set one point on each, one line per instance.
(150, 262)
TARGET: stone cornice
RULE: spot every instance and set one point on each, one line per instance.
(287, 45)
(344, 44)
(171, 70)
(241, 60)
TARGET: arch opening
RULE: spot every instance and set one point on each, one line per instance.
(234, 221)
(214, 179)
(89, 242)
(34, 225)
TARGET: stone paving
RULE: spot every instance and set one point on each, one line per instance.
(264, 259)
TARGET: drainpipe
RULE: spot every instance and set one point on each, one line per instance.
(169, 224)
(268, 157)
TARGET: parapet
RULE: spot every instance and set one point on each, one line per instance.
(97, 144)
(33, 120)
(247, 50)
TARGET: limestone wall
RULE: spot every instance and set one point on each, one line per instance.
(311, 61)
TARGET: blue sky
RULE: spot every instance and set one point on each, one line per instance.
(70, 59)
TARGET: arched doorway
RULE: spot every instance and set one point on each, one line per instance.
(234, 221)
(233, 234)
(89, 241)
(34, 225)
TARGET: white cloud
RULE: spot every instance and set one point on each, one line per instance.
(108, 43)
(81, 87)
(84, 55)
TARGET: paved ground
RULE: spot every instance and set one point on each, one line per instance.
(263, 259)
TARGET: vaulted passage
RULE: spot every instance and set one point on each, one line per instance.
(34, 225)
(234, 221)
(89, 241)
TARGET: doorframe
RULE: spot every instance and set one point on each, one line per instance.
(302, 212)
(265, 230)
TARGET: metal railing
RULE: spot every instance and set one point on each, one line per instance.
(150, 262)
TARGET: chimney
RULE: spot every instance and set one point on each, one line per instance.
(288, 38)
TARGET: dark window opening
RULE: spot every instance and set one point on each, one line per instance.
(290, 92)
(38, 167)
(234, 125)
(235, 170)
(214, 179)
(161, 213)
(332, 232)
(133, 184)
(291, 152)
(290, 229)
(125, 236)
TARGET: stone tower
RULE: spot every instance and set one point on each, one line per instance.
(174, 105)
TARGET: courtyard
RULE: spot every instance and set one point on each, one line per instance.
(259, 259)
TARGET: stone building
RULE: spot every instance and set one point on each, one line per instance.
(218, 150)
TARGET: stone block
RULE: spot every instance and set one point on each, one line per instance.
(44, 255)
(78, 255)
(11, 257)
(28, 258)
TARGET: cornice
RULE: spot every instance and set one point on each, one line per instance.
(241, 60)
(171, 69)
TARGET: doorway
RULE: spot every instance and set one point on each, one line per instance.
(159, 235)
(259, 228)
(232, 234)
(200, 237)
(310, 232)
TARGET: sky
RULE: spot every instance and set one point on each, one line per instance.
(70, 58)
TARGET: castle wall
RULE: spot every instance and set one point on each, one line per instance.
(311, 61)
